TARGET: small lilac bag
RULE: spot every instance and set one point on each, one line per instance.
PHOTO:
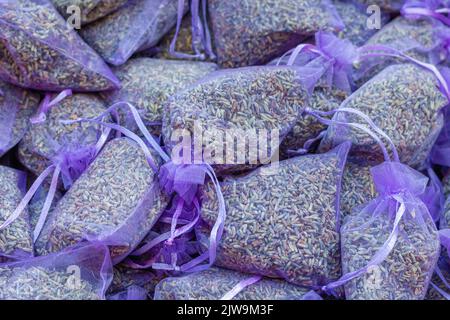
(395, 258)
(410, 114)
(136, 26)
(249, 33)
(245, 104)
(78, 273)
(283, 222)
(116, 201)
(38, 50)
(215, 284)
(16, 107)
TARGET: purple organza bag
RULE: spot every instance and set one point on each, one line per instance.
(16, 107)
(16, 240)
(246, 105)
(116, 201)
(39, 50)
(421, 37)
(355, 17)
(390, 247)
(136, 26)
(71, 147)
(78, 273)
(405, 102)
(282, 222)
(254, 32)
(215, 284)
(148, 84)
(90, 10)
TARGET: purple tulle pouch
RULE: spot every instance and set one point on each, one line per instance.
(71, 147)
(409, 113)
(78, 273)
(16, 107)
(283, 222)
(89, 10)
(116, 201)
(423, 39)
(390, 247)
(136, 26)
(16, 240)
(148, 83)
(216, 283)
(39, 50)
(246, 104)
(249, 33)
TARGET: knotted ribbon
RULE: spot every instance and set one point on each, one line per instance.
(47, 104)
(68, 163)
(201, 36)
(183, 180)
(330, 59)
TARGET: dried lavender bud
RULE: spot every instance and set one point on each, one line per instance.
(283, 224)
(148, 83)
(357, 188)
(413, 37)
(254, 98)
(355, 18)
(214, 283)
(80, 273)
(136, 26)
(91, 10)
(116, 200)
(16, 107)
(15, 240)
(253, 32)
(405, 102)
(44, 141)
(39, 50)
(307, 127)
(405, 273)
